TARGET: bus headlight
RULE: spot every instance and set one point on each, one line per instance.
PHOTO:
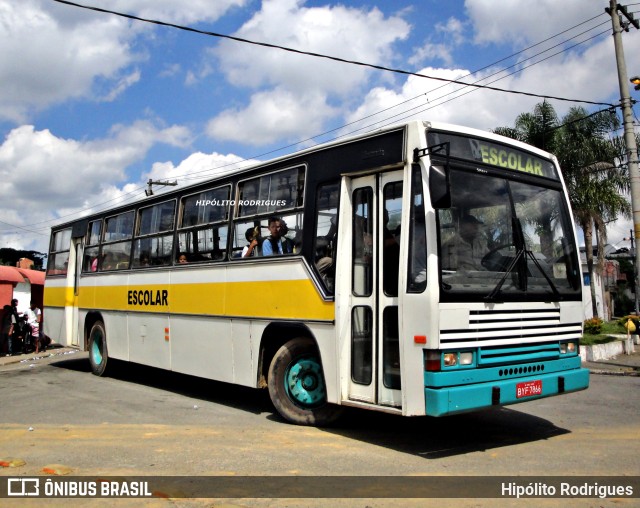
(450, 359)
(568, 347)
(466, 358)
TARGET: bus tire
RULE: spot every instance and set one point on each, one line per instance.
(98, 355)
(296, 385)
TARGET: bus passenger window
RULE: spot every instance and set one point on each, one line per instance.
(417, 262)
(392, 214)
(324, 246)
(278, 243)
(362, 283)
(202, 232)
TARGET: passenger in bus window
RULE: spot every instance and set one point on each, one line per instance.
(276, 244)
(253, 237)
(182, 259)
(464, 251)
(108, 262)
(144, 260)
(323, 246)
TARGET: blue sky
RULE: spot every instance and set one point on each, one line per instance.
(93, 105)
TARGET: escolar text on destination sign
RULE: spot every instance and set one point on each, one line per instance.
(148, 297)
(510, 159)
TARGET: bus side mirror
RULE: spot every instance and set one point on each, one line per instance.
(439, 189)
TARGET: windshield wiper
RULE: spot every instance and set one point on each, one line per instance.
(520, 259)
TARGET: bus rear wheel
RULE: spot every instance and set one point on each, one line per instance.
(98, 355)
(296, 385)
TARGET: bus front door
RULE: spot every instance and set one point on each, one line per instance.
(371, 236)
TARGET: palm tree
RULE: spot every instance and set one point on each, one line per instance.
(595, 184)
(537, 128)
(587, 157)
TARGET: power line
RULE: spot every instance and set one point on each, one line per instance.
(475, 87)
(405, 112)
(320, 55)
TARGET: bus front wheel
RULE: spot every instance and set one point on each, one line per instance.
(98, 355)
(296, 384)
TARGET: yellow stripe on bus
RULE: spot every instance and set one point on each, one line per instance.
(284, 299)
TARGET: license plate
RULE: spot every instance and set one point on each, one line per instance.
(529, 389)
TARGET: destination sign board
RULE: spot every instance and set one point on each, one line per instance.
(493, 154)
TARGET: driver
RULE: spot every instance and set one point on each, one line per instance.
(465, 249)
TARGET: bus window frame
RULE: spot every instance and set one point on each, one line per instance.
(104, 243)
(155, 234)
(216, 224)
(298, 210)
(278, 211)
(53, 253)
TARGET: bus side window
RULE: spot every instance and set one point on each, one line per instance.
(324, 246)
(417, 280)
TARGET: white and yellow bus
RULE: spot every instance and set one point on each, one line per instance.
(423, 269)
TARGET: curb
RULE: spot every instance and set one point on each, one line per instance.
(52, 351)
(603, 372)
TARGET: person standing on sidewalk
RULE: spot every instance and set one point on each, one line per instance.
(6, 330)
(34, 317)
(9, 326)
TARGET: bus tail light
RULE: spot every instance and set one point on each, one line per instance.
(432, 361)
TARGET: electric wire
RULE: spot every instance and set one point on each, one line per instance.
(447, 82)
(320, 55)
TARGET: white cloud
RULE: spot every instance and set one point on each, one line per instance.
(59, 63)
(195, 168)
(44, 177)
(62, 49)
(122, 84)
(521, 22)
(172, 11)
(273, 115)
(452, 32)
(337, 30)
(295, 92)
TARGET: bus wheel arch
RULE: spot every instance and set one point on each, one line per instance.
(295, 381)
(97, 346)
(275, 336)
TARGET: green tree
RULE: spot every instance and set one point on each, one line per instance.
(596, 185)
(537, 128)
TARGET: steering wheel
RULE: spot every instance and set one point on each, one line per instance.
(492, 260)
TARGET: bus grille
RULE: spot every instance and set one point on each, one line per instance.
(525, 328)
(498, 355)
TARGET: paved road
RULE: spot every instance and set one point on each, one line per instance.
(142, 421)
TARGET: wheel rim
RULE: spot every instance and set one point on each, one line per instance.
(304, 383)
(96, 347)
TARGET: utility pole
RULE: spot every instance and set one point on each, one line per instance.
(151, 183)
(627, 117)
(633, 257)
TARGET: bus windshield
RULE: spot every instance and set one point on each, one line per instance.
(506, 240)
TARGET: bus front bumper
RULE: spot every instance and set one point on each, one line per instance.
(460, 399)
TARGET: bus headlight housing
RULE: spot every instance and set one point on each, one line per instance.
(568, 348)
(450, 359)
(439, 360)
(466, 358)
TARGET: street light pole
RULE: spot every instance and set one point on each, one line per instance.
(629, 134)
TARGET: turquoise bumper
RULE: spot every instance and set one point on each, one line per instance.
(445, 400)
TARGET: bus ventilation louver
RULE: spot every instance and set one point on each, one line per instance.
(509, 327)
